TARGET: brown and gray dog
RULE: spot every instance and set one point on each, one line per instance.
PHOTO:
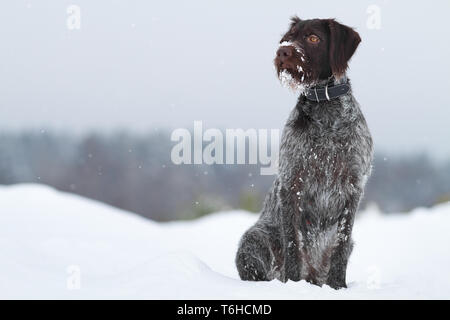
(304, 231)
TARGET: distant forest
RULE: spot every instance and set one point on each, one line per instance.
(134, 172)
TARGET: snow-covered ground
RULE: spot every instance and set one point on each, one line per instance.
(57, 245)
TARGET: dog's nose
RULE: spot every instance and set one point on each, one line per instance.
(285, 53)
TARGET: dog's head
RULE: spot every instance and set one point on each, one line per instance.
(313, 50)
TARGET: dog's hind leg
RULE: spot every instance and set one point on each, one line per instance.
(255, 259)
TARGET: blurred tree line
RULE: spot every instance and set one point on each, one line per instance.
(135, 173)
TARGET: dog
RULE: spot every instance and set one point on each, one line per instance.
(325, 159)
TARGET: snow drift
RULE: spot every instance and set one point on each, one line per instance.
(46, 235)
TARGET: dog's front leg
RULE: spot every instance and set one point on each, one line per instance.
(289, 230)
(338, 265)
(339, 258)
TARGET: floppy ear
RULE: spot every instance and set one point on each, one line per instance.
(343, 43)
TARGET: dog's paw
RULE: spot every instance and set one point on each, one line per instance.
(251, 269)
(337, 285)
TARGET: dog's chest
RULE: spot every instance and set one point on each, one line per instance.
(317, 158)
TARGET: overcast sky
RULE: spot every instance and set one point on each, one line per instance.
(145, 64)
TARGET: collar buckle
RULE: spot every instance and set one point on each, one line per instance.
(317, 97)
(326, 92)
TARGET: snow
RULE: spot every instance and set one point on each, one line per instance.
(45, 235)
(292, 44)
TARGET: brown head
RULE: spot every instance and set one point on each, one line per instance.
(314, 50)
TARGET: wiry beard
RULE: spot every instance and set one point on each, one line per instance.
(288, 81)
(293, 79)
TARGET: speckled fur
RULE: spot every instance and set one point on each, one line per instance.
(304, 231)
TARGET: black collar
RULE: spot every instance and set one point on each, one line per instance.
(327, 92)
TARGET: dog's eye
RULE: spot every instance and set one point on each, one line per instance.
(313, 39)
